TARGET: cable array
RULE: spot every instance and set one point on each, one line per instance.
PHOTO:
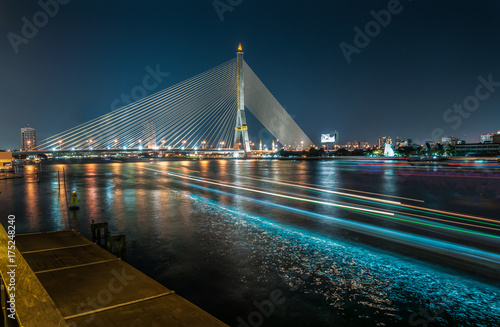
(264, 106)
(199, 112)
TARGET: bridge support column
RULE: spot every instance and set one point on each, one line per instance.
(241, 122)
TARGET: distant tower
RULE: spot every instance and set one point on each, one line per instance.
(260, 145)
(28, 139)
(241, 122)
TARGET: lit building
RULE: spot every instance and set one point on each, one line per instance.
(487, 138)
(490, 138)
(477, 149)
(496, 138)
(353, 145)
(28, 139)
(383, 140)
(451, 140)
(6, 161)
(364, 145)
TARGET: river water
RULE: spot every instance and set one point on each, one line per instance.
(232, 235)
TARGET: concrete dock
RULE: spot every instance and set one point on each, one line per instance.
(63, 279)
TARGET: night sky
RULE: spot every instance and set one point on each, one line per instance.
(404, 82)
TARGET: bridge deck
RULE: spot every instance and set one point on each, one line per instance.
(88, 286)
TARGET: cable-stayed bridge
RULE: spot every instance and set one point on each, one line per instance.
(206, 111)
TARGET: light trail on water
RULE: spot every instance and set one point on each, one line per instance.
(448, 214)
(470, 254)
(362, 209)
(271, 193)
(338, 188)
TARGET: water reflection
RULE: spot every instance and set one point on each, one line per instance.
(90, 191)
(203, 239)
(33, 213)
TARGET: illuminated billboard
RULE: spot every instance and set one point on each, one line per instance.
(329, 138)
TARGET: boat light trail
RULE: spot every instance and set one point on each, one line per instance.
(273, 194)
(328, 191)
(383, 214)
(423, 242)
(448, 214)
(339, 188)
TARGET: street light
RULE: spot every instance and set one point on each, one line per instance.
(60, 145)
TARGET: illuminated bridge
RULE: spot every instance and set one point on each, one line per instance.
(206, 111)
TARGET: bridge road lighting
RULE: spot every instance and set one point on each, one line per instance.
(203, 144)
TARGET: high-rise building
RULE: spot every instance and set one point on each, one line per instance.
(450, 140)
(383, 140)
(487, 138)
(490, 138)
(28, 139)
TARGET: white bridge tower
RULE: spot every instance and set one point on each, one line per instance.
(241, 128)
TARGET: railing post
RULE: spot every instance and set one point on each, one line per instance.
(96, 233)
(119, 243)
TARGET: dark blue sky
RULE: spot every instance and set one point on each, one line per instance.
(427, 58)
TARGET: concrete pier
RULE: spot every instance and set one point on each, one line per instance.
(63, 279)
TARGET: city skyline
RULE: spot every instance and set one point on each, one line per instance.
(337, 67)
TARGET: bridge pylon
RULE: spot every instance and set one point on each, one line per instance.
(241, 129)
